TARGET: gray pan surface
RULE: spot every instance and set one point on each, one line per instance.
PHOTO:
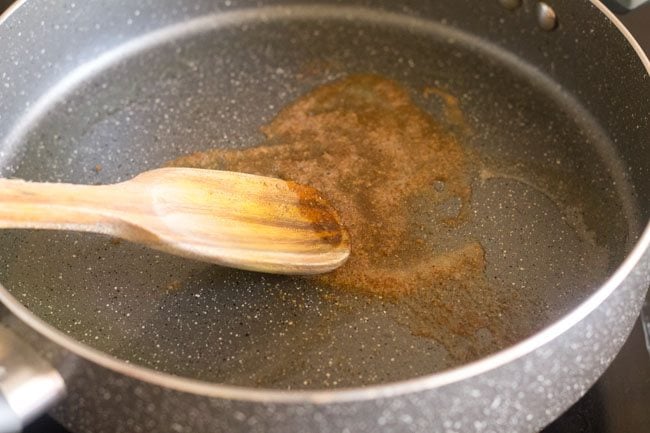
(555, 222)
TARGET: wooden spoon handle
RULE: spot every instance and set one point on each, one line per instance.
(57, 206)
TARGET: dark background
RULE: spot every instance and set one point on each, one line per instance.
(620, 401)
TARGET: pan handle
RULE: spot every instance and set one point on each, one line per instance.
(28, 384)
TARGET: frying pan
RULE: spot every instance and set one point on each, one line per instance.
(114, 337)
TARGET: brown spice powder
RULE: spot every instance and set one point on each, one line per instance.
(375, 154)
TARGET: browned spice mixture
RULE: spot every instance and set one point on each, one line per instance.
(377, 157)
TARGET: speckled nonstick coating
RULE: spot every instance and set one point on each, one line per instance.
(126, 87)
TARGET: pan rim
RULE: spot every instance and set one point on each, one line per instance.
(370, 392)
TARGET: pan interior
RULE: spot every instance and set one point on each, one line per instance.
(552, 217)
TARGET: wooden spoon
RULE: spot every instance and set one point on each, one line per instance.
(232, 219)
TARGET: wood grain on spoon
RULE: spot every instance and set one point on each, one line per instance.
(231, 219)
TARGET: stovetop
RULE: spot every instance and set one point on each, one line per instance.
(620, 401)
